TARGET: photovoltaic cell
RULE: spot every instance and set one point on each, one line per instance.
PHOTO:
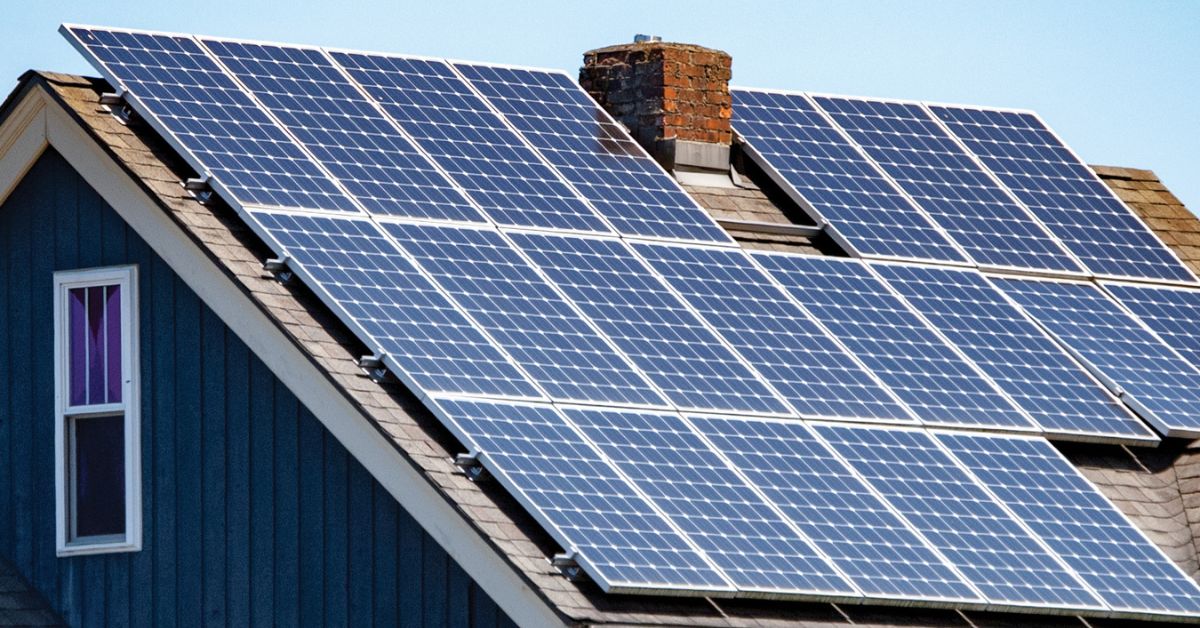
(841, 184)
(1077, 522)
(522, 313)
(1063, 193)
(1118, 347)
(593, 153)
(1173, 313)
(400, 311)
(212, 118)
(581, 499)
(838, 513)
(470, 142)
(941, 177)
(782, 343)
(893, 342)
(637, 312)
(958, 517)
(343, 130)
(706, 499)
(1014, 352)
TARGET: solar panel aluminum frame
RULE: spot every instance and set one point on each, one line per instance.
(1092, 173)
(1104, 385)
(298, 268)
(1114, 614)
(1100, 611)
(1114, 387)
(1083, 272)
(174, 142)
(658, 167)
(830, 226)
(668, 405)
(547, 524)
(791, 299)
(621, 241)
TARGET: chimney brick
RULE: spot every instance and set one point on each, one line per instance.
(663, 93)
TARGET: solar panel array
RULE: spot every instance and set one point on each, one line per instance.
(686, 417)
(998, 183)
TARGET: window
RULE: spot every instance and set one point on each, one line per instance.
(97, 443)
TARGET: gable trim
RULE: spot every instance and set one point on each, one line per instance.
(33, 126)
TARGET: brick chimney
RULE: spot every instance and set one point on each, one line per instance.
(673, 98)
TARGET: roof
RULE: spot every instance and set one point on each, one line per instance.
(1154, 203)
(1145, 491)
(20, 603)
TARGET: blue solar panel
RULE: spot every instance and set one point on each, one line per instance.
(470, 142)
(828, 172)
(1077, 522)
(1120, 350)
(893, 342)
(524, 315)
(1173, 313)
(662, 337)
(678, 472)
(581, 499)
(838, 513)
(1014, 352)
(1063, 193)
(951, 187)
(396, 309)
(958, 517)
(593, 153)
(343, 130)
(216, 123)
(782, 343)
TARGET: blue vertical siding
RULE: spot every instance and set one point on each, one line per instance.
(253, 514)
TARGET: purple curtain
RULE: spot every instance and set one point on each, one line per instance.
(113, 319)
(77, 346)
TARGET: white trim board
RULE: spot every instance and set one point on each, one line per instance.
(313, 387)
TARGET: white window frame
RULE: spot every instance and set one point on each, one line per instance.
(64, 281)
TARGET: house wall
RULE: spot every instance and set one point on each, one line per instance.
(253, 514)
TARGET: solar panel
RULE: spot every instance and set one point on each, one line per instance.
(391, 306)
(943, 179)
(869, 543)
(521, 311)
(842, 185)
(470, 142)
(622, 543)
(636, 311)
(954, 514)
(1173, 313)
(593, 153)
(1014, 352)
(1063, 193)
(1155, 380)
(1078, 523)
(775, 336)
(342, 129)
(677, 471)
(191, 101)
(941, 387)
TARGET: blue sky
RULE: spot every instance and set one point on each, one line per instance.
(1120, 82)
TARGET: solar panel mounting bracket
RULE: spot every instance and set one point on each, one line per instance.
(470, 466)
(279, 268)
(118, 105)
(373, 365)
(569, 567)
(113, 99)
(200, 188)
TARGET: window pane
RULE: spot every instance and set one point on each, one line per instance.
(113, 322)
(77, 343)
(99, 450)
(95, 345)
